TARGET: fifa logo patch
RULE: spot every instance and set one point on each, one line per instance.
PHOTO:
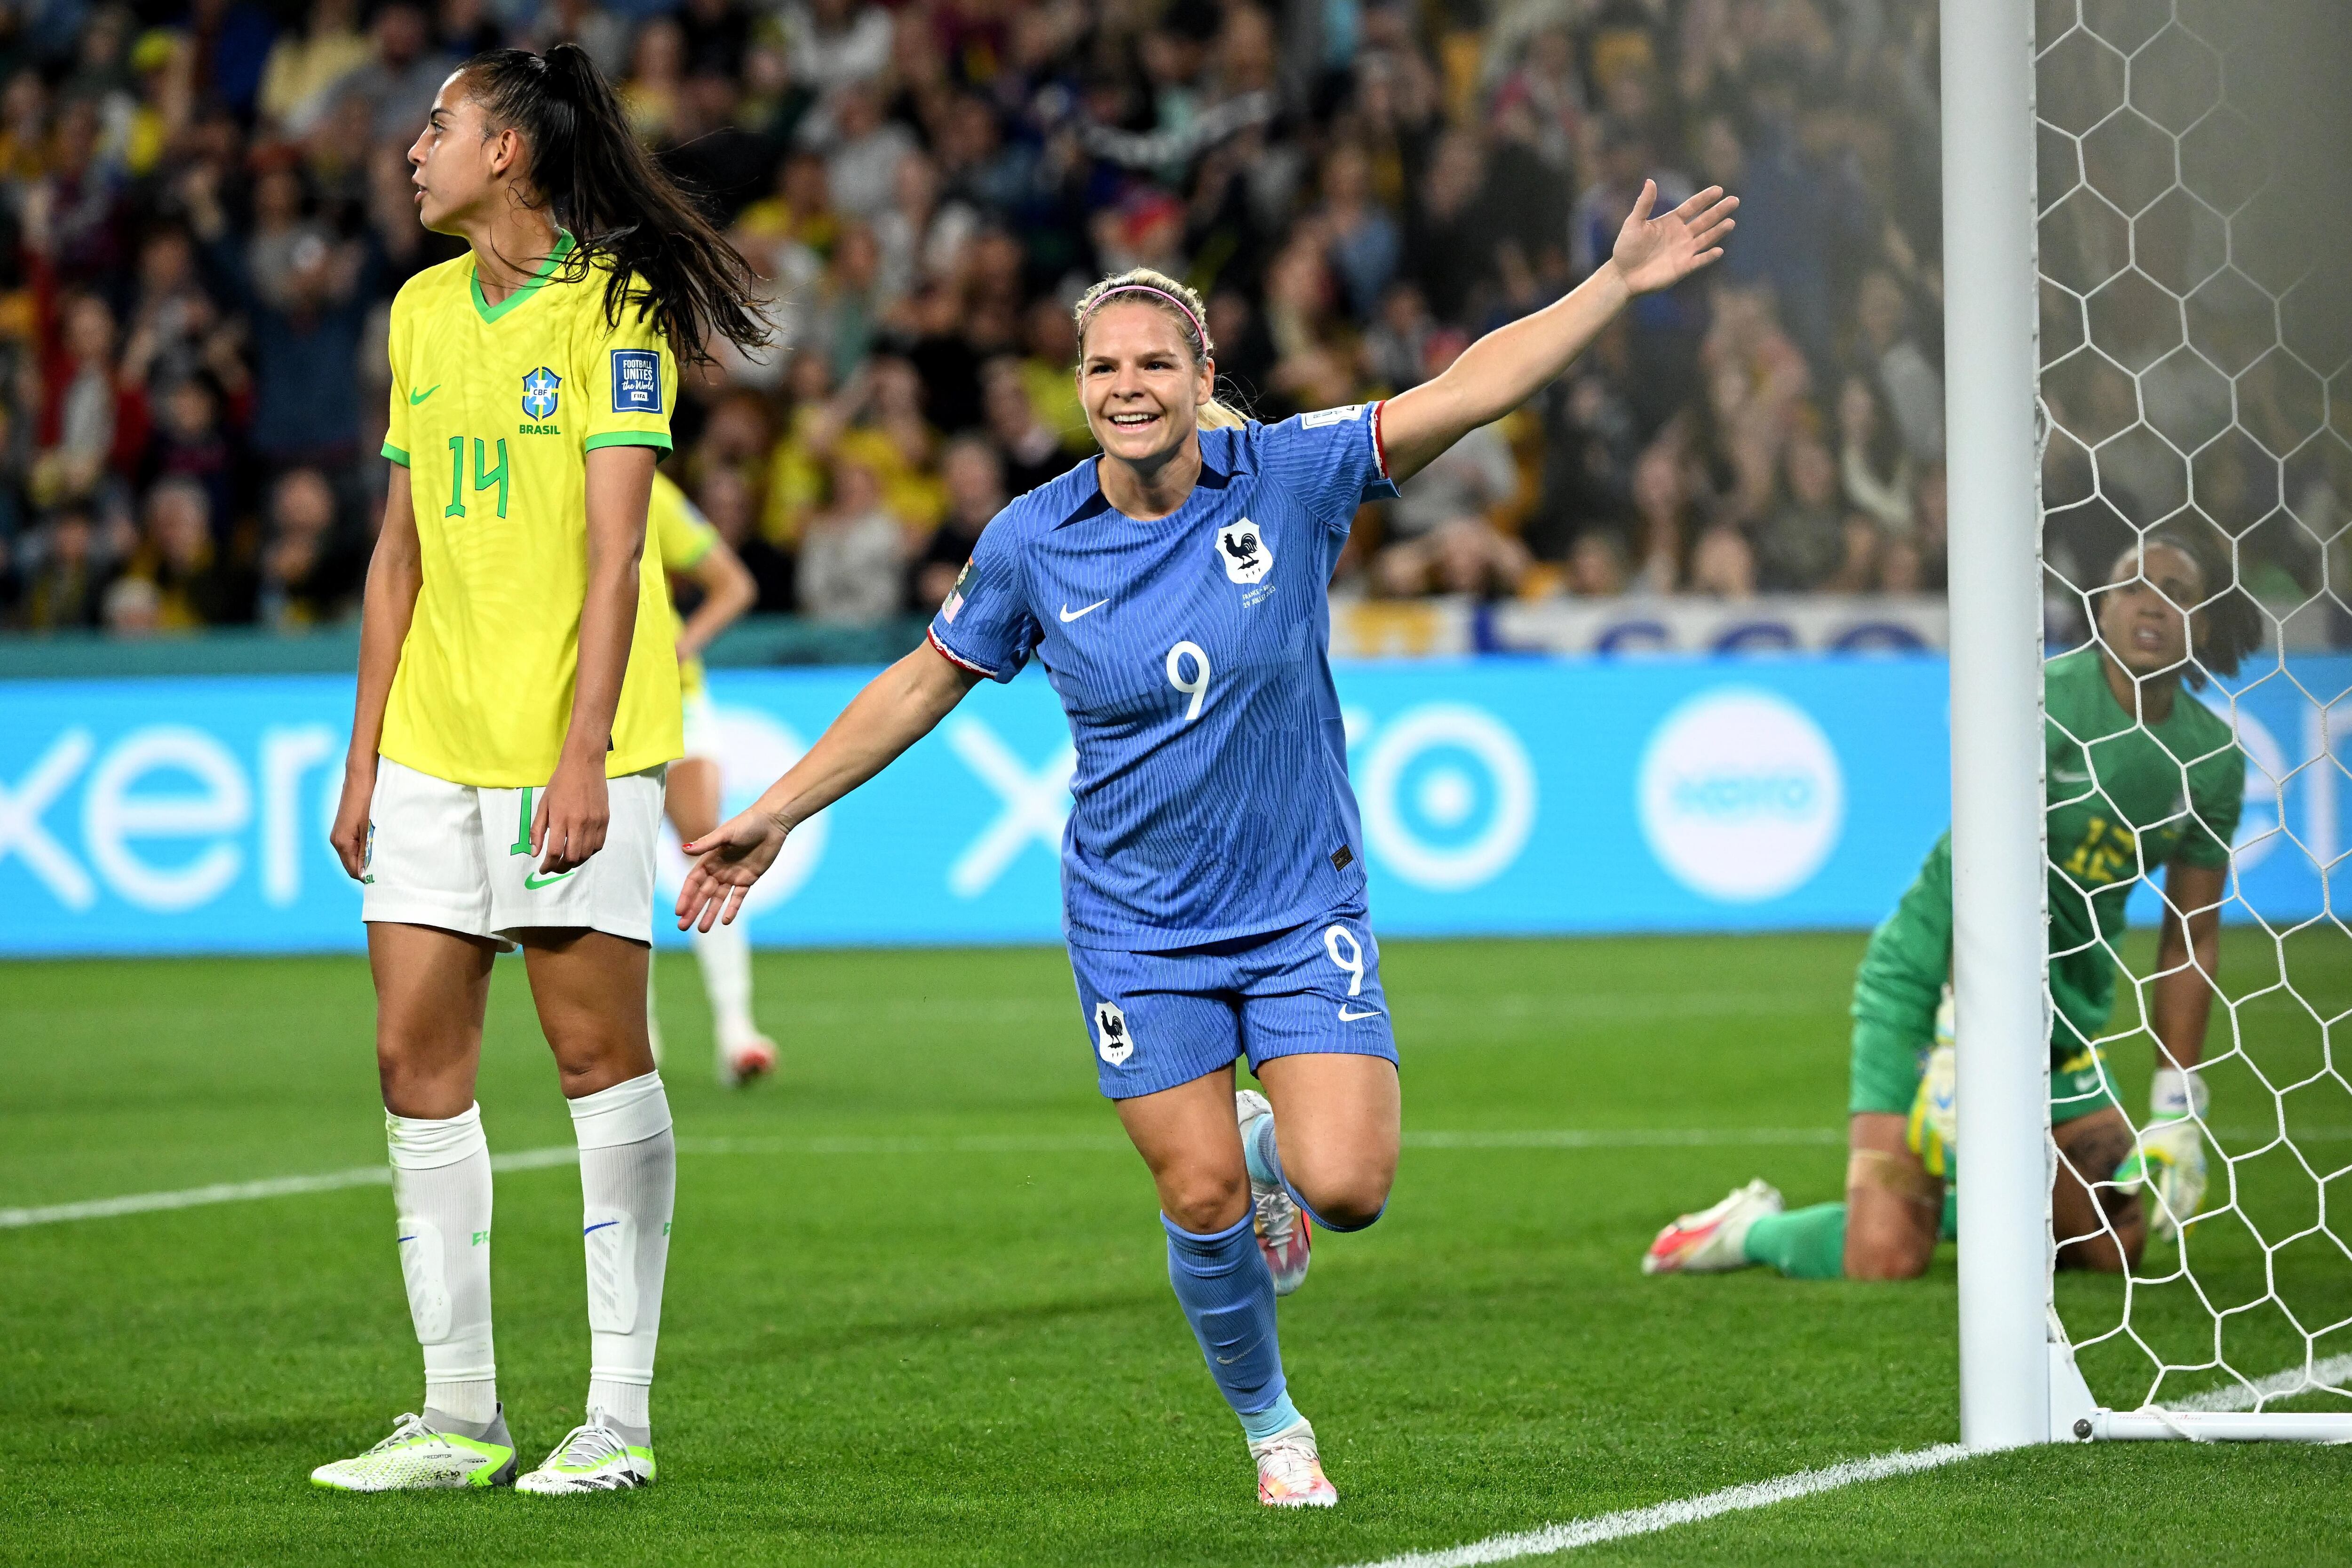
(538, 393)
(1112, 1042)
(1241, 546)
(636, 382)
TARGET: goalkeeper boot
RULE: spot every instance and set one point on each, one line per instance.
(1715, 1239)
(1284, 1234)
(428, 1453)
(599, 1456)
(1290, 1472)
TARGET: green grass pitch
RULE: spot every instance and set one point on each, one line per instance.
(917, 1309)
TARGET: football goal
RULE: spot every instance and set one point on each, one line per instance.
(2148, 212)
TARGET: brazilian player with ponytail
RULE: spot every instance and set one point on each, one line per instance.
(517, 706)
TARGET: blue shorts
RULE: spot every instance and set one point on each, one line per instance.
(1159, 1019)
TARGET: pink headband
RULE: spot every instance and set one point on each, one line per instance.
(1198, 331)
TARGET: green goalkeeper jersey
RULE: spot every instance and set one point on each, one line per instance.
(2125, 800)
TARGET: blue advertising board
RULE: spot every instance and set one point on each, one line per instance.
(1499, 796)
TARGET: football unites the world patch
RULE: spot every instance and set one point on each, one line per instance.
(637, 381)
(955, 594)
(539, 393)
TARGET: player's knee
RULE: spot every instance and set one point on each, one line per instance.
(1887, 1256)
(1204, 1201)
(1346, 1199)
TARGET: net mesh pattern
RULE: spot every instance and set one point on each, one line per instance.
(2196, 394)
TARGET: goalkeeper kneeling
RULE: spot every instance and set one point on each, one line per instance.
(2119, 726)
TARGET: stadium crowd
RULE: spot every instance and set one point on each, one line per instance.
(206, 213)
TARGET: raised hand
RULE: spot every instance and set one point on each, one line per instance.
(727, 861)
(1659, 252)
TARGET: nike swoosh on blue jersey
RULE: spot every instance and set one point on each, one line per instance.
(1069, 615)
(1347, 1017)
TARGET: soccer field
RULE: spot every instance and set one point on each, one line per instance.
(918, 1308)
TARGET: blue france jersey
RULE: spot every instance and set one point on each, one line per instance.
(1190, 655)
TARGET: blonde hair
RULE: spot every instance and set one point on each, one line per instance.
(1180, 304)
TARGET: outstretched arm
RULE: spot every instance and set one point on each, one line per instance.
(1503, 368)
(898, 708)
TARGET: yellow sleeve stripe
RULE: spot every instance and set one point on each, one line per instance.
(395, 454)
(655, 438)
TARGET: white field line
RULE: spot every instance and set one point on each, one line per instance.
(2235, 1397)
(1648, 1520)
(1080, 1143)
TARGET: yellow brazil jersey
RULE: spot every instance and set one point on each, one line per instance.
(677, 532)
(494, 410)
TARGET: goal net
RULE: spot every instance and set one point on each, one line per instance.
(2193, 218)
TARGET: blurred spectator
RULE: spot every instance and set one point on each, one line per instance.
(1905, 377)
(1028, 453)
(63, 577)
(832, 43)
(1442, 527)
(306, 578)
(975, 487)
(304, 67)
(851, 554)
(403, 72)
(197, 583)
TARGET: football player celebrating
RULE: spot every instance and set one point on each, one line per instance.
(518, 702)
(1212, 869)
(2139, 774)
(690, 547)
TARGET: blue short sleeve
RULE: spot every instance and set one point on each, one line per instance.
(985, 624)
(1332, 459)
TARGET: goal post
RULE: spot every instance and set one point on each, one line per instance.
(1995, 585)
(2147, 220)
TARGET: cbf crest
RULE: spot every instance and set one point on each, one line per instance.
(538, 393)
(1112, 1042)
(1241, 546)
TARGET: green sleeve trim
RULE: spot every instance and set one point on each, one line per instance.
(395, 454)
(659, 439)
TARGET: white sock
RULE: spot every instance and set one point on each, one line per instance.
(628, 1180)
(725, 955)
(441, 1186)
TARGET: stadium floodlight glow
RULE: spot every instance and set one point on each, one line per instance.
(2146, 236)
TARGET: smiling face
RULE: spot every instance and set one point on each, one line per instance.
(2144, 609)
(459, 164)
(1139, 382)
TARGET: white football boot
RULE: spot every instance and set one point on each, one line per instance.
(1284, 1234)
(428, 1453)
(742, 1059)
(1290, 1472)
(599, 1456)
(1713, 1240)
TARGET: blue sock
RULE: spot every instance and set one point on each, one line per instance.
(1279, 1416)
(1228, 1298)
(1265, 1161)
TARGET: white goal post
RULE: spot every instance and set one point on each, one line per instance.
(2020, 1383)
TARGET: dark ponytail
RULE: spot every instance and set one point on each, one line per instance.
(621, 207)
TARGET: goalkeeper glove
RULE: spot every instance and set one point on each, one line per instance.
(1933, 1132)
(2171, 1153)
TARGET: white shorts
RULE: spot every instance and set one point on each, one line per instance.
(459, 857)
(701, 725)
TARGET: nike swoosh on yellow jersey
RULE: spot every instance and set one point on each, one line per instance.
(416, 397)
